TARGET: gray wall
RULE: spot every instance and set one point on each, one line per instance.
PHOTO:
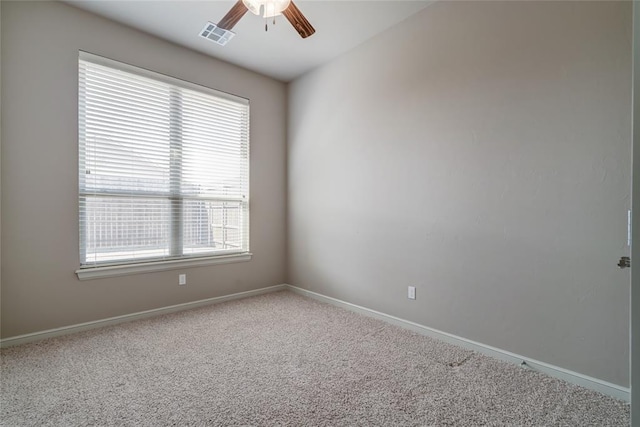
(481, 152)
(635, 283)
(0, 157)
(40, 43)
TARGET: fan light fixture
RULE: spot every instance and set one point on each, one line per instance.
(270, 8)
(221, 32)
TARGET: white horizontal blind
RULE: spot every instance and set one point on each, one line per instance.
(163, 167)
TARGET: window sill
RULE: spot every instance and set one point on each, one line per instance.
(148, 267)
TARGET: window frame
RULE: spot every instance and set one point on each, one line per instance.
(133, 266)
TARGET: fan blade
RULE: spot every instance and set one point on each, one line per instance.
(233, 16)
(299, 22)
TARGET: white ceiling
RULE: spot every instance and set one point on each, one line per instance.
(279, 53)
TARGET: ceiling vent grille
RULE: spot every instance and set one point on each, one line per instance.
(216, 34)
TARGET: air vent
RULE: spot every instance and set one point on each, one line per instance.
(216, 34)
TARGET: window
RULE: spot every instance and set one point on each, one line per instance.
(163, 167)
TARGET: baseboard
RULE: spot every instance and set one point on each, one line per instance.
(604, 387)
(65, 330)
(596, 384)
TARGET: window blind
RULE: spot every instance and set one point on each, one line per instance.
(163, 167)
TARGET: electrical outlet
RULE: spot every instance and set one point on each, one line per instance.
(411, 294)
(182, 279)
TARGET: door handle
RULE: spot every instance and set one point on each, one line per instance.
(625, 262)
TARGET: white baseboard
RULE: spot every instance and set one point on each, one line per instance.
(65, 330)
(604, 387)
(601, 386)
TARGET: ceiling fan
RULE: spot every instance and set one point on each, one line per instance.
(221, 32)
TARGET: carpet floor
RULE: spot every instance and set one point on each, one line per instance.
(279, 359)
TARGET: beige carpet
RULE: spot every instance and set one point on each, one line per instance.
(279, 359)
